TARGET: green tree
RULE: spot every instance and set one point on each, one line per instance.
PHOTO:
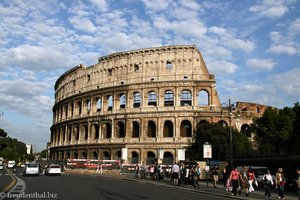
(219, 136)
(273, 131)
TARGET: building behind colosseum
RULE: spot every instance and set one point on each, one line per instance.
(147, 101)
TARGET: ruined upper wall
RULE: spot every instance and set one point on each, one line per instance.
(158, 64)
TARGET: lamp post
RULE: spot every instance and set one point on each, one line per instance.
(230, 118)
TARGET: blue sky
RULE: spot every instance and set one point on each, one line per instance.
(252, 47)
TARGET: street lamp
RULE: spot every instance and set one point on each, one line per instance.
(230, 117)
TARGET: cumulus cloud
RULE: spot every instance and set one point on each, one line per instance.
(83, 24)
(269, 8)
(222, 66)
(33, 57)
(282, 49)
(260, 64)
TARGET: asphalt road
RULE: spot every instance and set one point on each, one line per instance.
(91, 187)
(5, 179)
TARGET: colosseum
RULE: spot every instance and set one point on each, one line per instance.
(141, 105)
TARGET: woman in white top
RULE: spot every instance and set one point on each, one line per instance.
(268, 183)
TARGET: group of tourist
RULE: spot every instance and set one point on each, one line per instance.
(235, 181)
(245, 179)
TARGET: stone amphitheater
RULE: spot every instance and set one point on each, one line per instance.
(139, 106)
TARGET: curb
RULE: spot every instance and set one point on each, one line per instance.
(12, 183)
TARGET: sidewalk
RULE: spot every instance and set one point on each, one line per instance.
(210, 189)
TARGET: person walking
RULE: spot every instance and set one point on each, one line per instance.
(234, 178)
(280, 180)
(175, 173)
(268, 181)
(251, 178)
(244, 181)
(225, 177)
(215, 172)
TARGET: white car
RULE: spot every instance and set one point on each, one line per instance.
(53, 169)
(11, 164)
(1, 166)
(31, 169)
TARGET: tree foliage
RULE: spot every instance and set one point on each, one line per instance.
(219, 137)
(12, 149)
(277, 130)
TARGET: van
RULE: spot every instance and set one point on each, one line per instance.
(11, 164)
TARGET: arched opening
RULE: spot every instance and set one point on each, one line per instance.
(84, 155)
(186, 98)
(136, 100)
(118, 155)
(203, 98)
(96, 131)
(75, 155)
(85, 132)
(245, 129)
(134, 158)
(107, 130)
(151, 129)
(169, 98)
(186, 129)
(223, 123)
(106, 155)
(152, 99)
(94, 155)
(109, 102)
(76, 133)
(168, 129)
(150, 158)
(168, 158)
(120, 130)
(99, 104)
(123, 101)
(135, 129)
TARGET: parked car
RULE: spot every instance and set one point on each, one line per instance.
(31, 169)
(53, 169)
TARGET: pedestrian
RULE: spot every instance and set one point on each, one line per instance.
(280, 180)
(137, 169)
(143, 171)
(268, 181)
(215, 172)
(298, 181)
(251, 178)
(175, 173)
(244, 181)
(224, 177)
(186, 175)
(234, 178)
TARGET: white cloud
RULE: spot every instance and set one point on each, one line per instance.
(156, 5)
(222, 67)
(239, 44)
(282, 49)
(83, 24)
(101, 4)
(217, 30)
(260, 64)
(33, 57)
(295, 27)
(270, 8)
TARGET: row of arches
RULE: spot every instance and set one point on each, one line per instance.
(72, 134)
(120, 101)
(134, 157)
